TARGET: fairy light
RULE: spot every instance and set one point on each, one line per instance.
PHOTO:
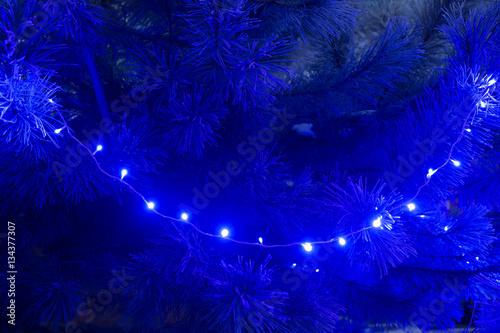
(378, 222)
(184, 216)
(293, 265)
(446, 228)
(317, 270)
(411, 206)
(307, 247)
(455, 163)
(468, 130)
(430, 173)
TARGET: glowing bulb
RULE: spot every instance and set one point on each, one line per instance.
(294, 264)
(446, 228)
(467, 262)
(184, 216)
(57, 131)
(430, 173)
(492, 82)
(342, 241)
(50, 100)
(455, 163)
(124, 172)
(477, 258)
(98, 148)
(260, 240)
(482, 104)
(307, 247)
(468, 130)
(317, 270)
(411, 206)
(378, 222)
(224, 232)
(151, 205)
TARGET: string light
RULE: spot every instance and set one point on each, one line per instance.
(51, 101)
(224, 232)
(446, 228)
(431, 171)
(317, 270)
(411, 206)
(307, 247)
(378, 222)
(455, 163)
(124, 173)
(492, 82)
(293, 265)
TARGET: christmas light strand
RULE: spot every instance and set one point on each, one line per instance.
(431, 172)
(225, 232)
(184, 217)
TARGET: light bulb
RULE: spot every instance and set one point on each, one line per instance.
(307, 247)
(492, 82)
(184, 216)
(342, 241)
(224, 232)
(378, 222)
(317, 270)
(151, 205)
(294, 264)
(98, 148)
(124, 172)
(446, 228)
(482, 104)
(51, 101)
(411, 206)
(455, 163)
(57, 131)
(468, 130)
(260, 240)
(430, 173)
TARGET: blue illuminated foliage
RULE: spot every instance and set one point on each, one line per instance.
(241, 297)
(199, 100)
